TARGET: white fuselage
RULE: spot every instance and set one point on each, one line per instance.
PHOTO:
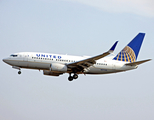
(43, 61)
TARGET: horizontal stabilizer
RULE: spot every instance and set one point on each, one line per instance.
(138, 62)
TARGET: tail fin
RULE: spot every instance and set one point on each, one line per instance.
(131, 51)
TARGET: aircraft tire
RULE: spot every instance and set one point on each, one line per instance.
(70, 78)
(19, 72)
(75, 76)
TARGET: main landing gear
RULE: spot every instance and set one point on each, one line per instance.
(75, 76)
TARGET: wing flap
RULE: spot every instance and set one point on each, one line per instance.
(138, 62)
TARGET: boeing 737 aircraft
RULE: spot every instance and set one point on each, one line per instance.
(57, 64)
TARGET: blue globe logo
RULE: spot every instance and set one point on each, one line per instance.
(127, 55)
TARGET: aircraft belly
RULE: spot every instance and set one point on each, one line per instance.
(99, 70)
(34, 65)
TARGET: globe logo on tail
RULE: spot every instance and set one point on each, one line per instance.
(127, 55)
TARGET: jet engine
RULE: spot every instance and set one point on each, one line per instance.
(47, 72)
(56, 67)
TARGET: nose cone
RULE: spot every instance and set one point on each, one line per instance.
(5, 60)
(9, 61)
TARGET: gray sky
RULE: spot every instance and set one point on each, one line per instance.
(76, 27)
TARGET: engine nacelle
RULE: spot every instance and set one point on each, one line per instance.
(47, 72)
(56, 67)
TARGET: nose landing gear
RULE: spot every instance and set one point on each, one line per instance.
(75, 76)
(19, 72)
(18, 68)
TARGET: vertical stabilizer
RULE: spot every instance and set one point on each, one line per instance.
(131, 51)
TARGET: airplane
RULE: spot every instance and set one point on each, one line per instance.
(58, 64)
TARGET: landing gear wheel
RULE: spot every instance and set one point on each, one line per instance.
(75, 76)
(19, 72)
(70, 78)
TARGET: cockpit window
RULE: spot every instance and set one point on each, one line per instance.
(13, 55)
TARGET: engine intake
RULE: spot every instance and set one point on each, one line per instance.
(56, 67)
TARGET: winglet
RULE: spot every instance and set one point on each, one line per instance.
(113, 47)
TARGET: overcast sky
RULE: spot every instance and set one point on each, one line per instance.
(76, 27)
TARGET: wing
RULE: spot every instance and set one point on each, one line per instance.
(83, 64)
